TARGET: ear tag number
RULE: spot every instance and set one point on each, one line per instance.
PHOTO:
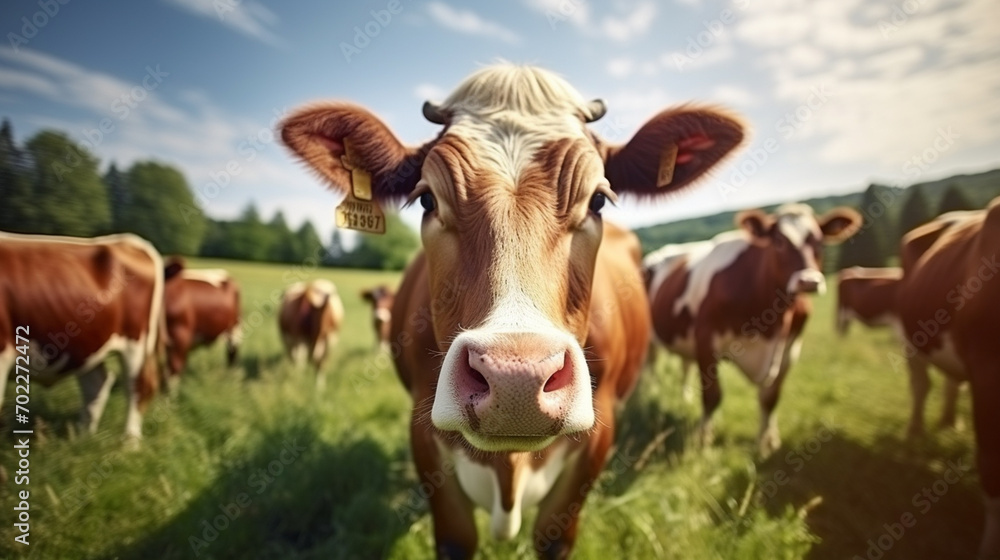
(358, 211)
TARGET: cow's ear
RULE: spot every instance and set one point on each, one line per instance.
(756, 223)
(172, 267)
(672, 150)
(318, 134)
(839, 224)
(368, 295)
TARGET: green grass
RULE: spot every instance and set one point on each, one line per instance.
(350, 491)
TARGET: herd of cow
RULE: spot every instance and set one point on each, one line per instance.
(524, 323)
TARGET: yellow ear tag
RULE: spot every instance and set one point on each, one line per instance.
(358, 211)
(668, 160)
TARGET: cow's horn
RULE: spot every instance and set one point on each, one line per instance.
(596, 109)
(434, 113)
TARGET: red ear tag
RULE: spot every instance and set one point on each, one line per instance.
(668, 161)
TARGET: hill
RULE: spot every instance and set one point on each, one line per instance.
(979, 188)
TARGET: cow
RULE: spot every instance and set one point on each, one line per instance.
(78, 301)
(381, 299)
(655, 266)
(742, 298)
(309, 319)
(201, 306)
(523, 322)
(868, 295)
(947, 304)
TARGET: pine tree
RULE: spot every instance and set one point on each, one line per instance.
(955, 198)
(916, 211)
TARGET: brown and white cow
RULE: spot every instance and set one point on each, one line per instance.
(523, 322)
(310, 317)
(741, 299)
(79, 301)
(381, 299)
(201, 306)
(868, 295)
(948, 305)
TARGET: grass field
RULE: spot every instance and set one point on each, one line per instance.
(342, 484)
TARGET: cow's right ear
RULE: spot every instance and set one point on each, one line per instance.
(756, 223)
(318, 135)
(368, 296)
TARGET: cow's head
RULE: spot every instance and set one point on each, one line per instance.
(794, 238)
(512, 191)
(380, 298)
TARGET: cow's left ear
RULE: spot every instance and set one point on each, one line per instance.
(322, 134)
(672, 150)
(839, 224)
(172, 266)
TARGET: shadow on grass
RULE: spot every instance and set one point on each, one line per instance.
(294, 497)
(866, 491)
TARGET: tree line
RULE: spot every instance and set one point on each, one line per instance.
(52, 185)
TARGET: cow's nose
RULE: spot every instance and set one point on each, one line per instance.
(514, 385)
(808, 286)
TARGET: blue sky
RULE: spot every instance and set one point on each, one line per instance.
(838, 93)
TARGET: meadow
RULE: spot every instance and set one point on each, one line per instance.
(342, 485)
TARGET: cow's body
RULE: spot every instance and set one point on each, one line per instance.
(309, 319)
(948, 304)
(83, 300)
(506, 483)
(201, 306)
(867, 295)
(381, 299)
(518, 276)
(739, 298)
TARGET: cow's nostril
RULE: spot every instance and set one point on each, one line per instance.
(477, 383)
(560, 378)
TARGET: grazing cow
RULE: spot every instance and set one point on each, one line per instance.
(309, 319)
(381, 299)
(77, 301)
(518, 276)
(869, 296)
(740, 298)
(948, 303)
(201, 306)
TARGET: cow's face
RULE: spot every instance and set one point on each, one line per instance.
(512, 192)
(794, 238)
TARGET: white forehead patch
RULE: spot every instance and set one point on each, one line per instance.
(797, 227)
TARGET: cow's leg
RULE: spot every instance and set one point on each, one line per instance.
(234, 337)
(843, 321)
(949, 408)
(555, 530)
(455, 535)
(711, 396)
(920, 385)
(769, 438)
(985, 389)
(95, 386)
(142, 380)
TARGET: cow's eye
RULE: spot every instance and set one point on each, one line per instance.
(597, 202)
(428, 202)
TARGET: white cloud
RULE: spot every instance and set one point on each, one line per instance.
(730, 94)
(636, 17)
(430, 92)
(247, 17)
(621, 67)
(636, 24)
(470, 23)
